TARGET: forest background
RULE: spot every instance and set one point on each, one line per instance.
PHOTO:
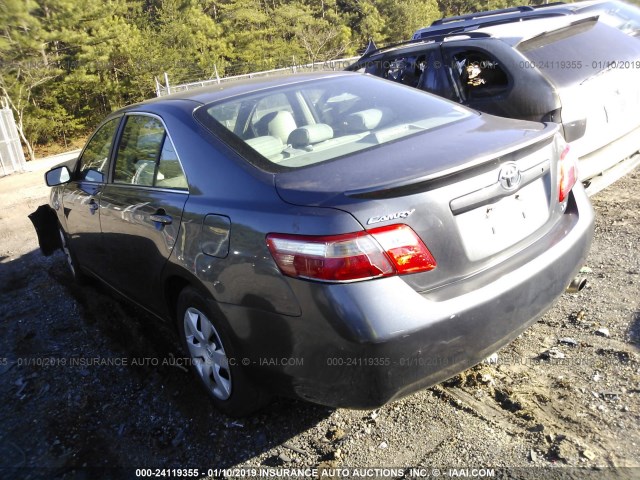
(65, 64)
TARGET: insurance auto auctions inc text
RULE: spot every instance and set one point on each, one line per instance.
(353, 472)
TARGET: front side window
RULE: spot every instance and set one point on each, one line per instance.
(315, 121)
(95, 158)
(146, 156)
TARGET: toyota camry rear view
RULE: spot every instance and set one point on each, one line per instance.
(333, 237)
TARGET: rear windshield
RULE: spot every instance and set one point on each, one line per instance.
(576, 53)
(315, 121)
(620, 15)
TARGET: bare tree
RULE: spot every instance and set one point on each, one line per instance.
(19, 111)
(26, 82)
(321, 42)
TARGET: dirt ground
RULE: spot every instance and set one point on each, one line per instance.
(566, 393)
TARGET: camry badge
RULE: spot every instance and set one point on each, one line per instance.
(391, 216)
(509, 176)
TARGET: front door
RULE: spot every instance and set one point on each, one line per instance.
(81, 198)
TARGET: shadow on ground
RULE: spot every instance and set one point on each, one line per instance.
(89, 380)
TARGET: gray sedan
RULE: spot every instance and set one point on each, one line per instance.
(333, 237)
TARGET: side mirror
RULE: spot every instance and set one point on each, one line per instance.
(57, 176)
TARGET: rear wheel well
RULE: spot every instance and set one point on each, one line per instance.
(172, 288)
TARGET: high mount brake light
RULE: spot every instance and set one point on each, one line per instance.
(380, 252)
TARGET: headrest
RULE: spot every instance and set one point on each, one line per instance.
(368, 119)
(310, 134)
(281, 124)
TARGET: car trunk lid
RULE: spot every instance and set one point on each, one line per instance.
(479, 188)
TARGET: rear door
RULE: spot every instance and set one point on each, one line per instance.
(142, 207)
(482, 81)
(81, 197)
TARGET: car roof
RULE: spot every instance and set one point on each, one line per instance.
(469, 21)
(212, 93)
(411, 45)
(511, 33)
(517, 32)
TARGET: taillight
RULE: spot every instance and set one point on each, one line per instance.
(380, 252)
(567, 173)
(405, 249)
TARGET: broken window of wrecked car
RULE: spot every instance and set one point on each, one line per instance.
(479, 75)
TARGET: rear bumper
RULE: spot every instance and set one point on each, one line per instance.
(611, 162)
(619, 170)
(364, 344)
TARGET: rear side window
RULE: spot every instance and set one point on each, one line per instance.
(146, 156)
(478, 74)
(170, 174)
(95, 158)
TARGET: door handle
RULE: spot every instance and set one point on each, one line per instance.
(93, 206)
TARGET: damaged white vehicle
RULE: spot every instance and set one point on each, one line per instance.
(575, 70)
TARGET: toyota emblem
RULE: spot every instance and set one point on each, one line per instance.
(510, 176)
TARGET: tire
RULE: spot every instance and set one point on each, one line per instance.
(205, 341)
(72, 262)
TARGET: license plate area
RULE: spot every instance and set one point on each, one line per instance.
(495, 226)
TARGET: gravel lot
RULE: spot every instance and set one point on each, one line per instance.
(566, 393)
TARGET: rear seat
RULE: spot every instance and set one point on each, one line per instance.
(268, 146)
(319, 136)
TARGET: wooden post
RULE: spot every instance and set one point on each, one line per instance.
(166, 82)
